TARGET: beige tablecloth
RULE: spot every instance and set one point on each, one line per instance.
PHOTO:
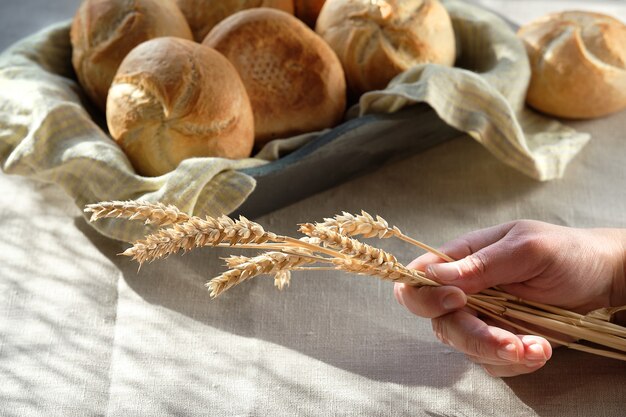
(82, 333)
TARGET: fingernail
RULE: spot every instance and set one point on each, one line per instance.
(398, 293)
(443, 272)
(453, 301)
(508, 353)
(535, 353)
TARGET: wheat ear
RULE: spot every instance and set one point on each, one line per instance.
(151, 213)
(375, 258)
(366, 225)
(197, 232)
(267, 263)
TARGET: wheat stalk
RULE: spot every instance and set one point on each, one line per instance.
(330, 243)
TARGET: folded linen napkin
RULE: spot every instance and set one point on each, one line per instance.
(49, 132)
(484, 96)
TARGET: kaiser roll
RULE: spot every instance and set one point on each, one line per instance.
(377, 40)
(578, 62)
(308, 10)
(203, 15)
(294, 80)
(174, 99)
(104, 31)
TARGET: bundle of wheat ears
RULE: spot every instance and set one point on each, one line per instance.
(330, 245)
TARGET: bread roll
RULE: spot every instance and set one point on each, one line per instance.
(294, 80)
(203, 15)
(308, 10)
(578, 62)
(174, 99)
(377, 40)
(104, 31)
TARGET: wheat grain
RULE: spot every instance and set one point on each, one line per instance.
(232, 261)
(364, 224)
(282, 279)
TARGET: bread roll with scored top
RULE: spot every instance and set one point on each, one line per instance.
(174, 99)
(378, 39)
(203, 15)
(104, 31)
(578, 62)
(294, 80)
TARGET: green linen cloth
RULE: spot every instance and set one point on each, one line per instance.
(49, 132)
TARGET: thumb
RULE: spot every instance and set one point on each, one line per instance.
(488, 267)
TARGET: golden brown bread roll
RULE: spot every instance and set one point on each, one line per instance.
(174, 99)
(203, 15)
(294, 80)
(308, 10)
(578, 62)
(377, 40)
(104, 31)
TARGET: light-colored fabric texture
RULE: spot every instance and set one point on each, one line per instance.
(47, 132)
(84, 334)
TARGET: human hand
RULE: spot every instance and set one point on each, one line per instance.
(577, 269)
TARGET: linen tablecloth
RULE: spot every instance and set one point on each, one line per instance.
(83, 333)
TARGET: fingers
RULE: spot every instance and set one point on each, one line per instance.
(470, 335)
(505, 371)
(536, 348)
(501, 352)
(537, 351)
(430, 302)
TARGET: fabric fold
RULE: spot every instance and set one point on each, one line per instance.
(49, 132)
(486, 100)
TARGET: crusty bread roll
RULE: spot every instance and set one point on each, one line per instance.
(308, 10)
(174, 99)
(294, 80)
(104, 31)
(578, 62)
(377, 40)
(203, 15)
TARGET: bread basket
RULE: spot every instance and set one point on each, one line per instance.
(49, 132)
